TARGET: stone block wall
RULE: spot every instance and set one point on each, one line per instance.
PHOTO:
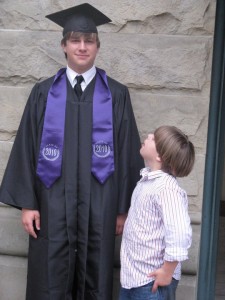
(162, 50)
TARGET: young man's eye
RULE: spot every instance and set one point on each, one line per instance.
(75, 41)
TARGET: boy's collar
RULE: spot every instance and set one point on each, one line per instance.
(147, 174)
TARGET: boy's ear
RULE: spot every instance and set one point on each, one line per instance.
(158, 158)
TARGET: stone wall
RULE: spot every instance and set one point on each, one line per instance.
(161, 50)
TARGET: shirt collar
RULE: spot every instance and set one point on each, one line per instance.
(147, 174)
(88, 75)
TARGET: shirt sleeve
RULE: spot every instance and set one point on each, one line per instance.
(127, 149)
(178, 231)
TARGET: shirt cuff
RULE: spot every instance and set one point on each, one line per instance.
(176, 254)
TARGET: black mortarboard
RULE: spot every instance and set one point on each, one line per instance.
(80, 18)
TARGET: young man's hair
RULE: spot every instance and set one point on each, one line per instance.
(175, 150)
(73, 34)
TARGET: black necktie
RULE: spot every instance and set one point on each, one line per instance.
(77, 87)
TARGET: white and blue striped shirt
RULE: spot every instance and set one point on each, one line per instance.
(157, 228)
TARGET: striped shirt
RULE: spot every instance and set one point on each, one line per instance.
(157, 228)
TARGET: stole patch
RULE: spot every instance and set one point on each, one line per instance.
(101, 149)
(51, 152)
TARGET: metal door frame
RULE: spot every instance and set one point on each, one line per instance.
(213, 164)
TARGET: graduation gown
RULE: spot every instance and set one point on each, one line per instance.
(72, 258)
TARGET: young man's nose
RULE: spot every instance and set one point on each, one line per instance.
(82, 45)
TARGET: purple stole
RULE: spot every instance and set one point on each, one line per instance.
(49, 166)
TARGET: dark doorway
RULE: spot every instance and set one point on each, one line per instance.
(220, 262)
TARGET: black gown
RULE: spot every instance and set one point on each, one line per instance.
(72, 258)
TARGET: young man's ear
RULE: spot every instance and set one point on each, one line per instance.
(63, 47)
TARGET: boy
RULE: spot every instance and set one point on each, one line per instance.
(157, 232)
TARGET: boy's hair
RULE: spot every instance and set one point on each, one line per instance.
(175, 150)
(73, 34)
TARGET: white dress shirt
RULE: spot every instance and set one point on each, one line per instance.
(88, 76)
(157, 228)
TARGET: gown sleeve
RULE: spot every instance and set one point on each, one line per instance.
(18, 184)
(130, 161)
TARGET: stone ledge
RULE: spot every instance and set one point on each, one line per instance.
(190, 266)
(14, 240)
(187, 288)
(12, 101)
(196, 218)
(13, 272)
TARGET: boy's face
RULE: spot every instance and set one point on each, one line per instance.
(148, 150)
(81, 52)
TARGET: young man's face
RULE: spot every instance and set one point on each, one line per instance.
(148, 150)
(81, 52)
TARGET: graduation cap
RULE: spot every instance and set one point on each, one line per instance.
(80, 18)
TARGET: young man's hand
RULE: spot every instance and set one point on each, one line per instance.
(29, 218)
